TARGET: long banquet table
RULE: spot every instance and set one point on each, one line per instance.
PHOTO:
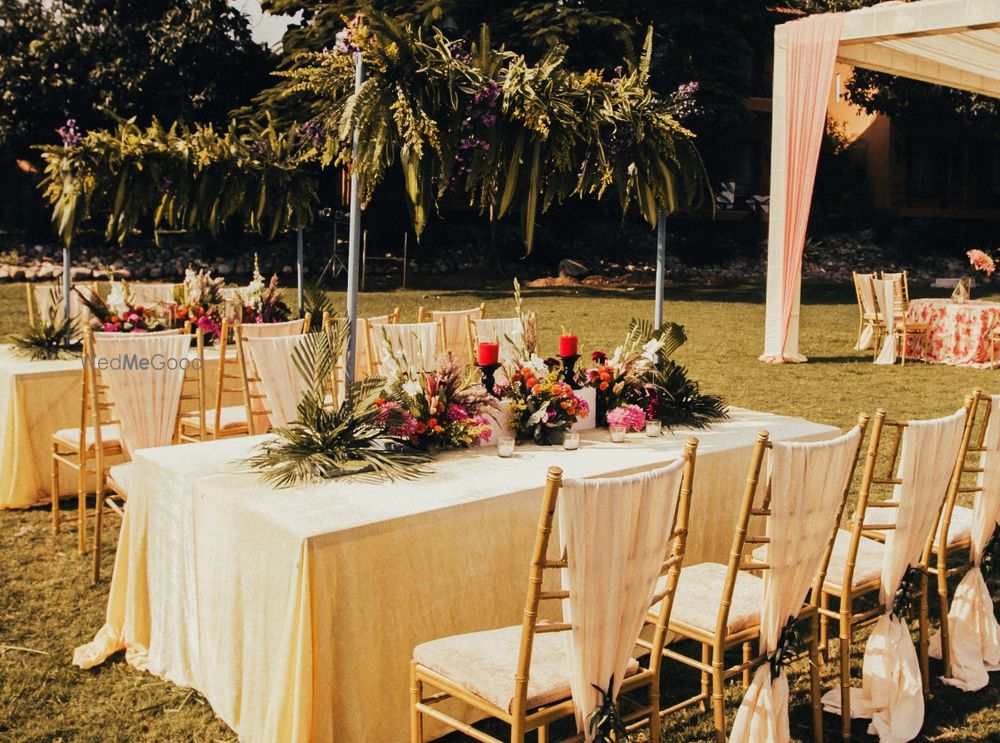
(295, 611)
(38, 398)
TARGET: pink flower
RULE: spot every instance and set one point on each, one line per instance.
(487, 433)
(456, 412)
(632, 417)
(982, 261)
(582, 408)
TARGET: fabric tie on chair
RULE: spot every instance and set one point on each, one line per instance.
(891, 694)
(615, 536)
(808, 482)
(146, 399)
(975, 633)
(280, 381)
(884, 292)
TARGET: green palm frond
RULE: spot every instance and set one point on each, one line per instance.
(48, 338)
(327, 442)
(681, 402)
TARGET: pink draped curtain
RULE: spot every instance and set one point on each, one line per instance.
(812, 53)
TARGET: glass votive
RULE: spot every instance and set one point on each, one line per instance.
(653, 428)
(505, 447)
(618, 434)
(571, 440)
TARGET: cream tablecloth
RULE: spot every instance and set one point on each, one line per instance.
(295, 611)
(38, 398)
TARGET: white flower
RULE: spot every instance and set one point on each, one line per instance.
(537, 365)
(616, 358)
(192, 285)
(652, 349)
(255, 289)
(412, 387)
(118, 298)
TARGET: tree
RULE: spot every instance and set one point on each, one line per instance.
(88, 60)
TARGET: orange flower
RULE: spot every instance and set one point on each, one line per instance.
(536, 389)
(432, 422)
(603, 386)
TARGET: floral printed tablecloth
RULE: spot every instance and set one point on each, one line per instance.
(958, 332)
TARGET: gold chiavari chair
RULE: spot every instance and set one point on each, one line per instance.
(901, 280)
(219, 420)
(407, 339)
(454, 328)
(867, 313)
(191, 424)
(112, 482)
(718, 606)
(891, 319)
(366, 348)
(154, 294)
(526, 684)
(507, 331)
(857, 555)
(74, 447)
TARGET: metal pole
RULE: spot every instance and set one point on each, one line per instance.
(67, 287)
(300, 272)
(661, 259)
(406, 255)
(354, 240)
(364, 258)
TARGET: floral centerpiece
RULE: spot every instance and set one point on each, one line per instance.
(262, 303)
(119, 313)
(541, 406)
(435, 410)
(640, 376)
(982, 261)
(203, 303)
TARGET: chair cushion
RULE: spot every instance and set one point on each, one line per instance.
(485, 663)
(867, 565)
(234, 416)
(70, 437)
(699, 594)
(121, 474)
(959, 529)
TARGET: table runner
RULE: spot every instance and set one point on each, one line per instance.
(958, 332)
(295, 612)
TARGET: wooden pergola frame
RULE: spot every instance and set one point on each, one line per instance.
(953, 43)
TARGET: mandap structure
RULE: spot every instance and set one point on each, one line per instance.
(953, 43)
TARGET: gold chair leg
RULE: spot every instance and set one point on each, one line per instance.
(81, 507)
(846, 630)
(543, 734)
(706, 678)
(718, 698)
(746, 671)
(824, 628)
(924, 634)
(55, 490)
(814, 680)
(942, 586)
(98, 525)
(416, 696)
(654, 710)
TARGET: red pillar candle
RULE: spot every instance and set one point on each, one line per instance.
(567, 345)
(489, 353)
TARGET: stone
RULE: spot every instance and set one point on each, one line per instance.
(572, 268)
(80, 273)
(224, 269)
(156, 272)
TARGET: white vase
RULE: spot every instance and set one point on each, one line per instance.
(589, 396)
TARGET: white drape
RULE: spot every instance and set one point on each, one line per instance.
(974, 631)
(280, 380)
(272, 329)
(412, 347)
(456, 332)
(892, 692)
(615, 533)
(808, 482)
(885, 297)
(147, 295)
(868, 307)
(145, 390)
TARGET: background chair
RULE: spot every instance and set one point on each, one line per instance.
(155, 294)
(413, 347)
(892, 325)
(276, 376)
(867, 312)
(514, 337)
(454, 329)
(365, 352)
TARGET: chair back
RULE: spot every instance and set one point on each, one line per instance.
(411, 347)
(276, 329)
(273, 386)
(865, 292)
(608, 585)
(153, 294)
(366, 346)
(454, 329)
(193, 392)
(885, 301)
(509, 332)
(144, 377)
(902, 287)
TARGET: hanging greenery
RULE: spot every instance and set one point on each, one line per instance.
(179, 177)
(510, 134)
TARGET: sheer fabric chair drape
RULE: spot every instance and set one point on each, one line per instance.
(885, 297)
(891, 694)
(975, 633)
(808, 482)
(411, 347)
(614, 533)
(146, 399)
(280, 381)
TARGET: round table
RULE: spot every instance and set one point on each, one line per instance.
(958, 332)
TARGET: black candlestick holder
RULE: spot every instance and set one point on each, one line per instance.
(489, 371)
(569, 375)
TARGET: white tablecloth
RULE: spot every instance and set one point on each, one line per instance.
(38, 398)
(295, 611)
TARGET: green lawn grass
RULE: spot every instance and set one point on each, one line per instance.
(47, 605)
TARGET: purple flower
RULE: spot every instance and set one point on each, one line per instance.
(70, 133)
(456, 412)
